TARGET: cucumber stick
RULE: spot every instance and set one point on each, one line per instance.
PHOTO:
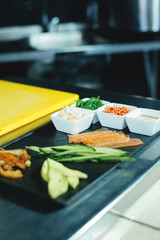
(81, 153)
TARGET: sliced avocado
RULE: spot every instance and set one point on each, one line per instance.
(59, 177)
(57, 182)
(73, 181)
(66, 171)
(44, 171)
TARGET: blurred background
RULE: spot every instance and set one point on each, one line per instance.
(98, 44)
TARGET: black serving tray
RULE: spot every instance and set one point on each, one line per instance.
(48, 136)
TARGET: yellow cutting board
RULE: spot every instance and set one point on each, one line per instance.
(28, 107)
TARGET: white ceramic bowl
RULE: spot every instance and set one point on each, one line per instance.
(95, 119)
(138, 122)
(72, 127)
(113, 120)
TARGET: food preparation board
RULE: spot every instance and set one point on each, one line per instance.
(24, 107)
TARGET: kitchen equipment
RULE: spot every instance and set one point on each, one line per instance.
(134, 15)
(27, 107)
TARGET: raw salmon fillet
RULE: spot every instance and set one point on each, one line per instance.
(104, 138)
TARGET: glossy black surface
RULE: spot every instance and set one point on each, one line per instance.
(25, 209)
(32, 182)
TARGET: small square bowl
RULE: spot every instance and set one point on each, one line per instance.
(72, 127)
(144, 121)
(112, 120)
(95, 119)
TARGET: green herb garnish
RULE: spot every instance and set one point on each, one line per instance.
(92, 104)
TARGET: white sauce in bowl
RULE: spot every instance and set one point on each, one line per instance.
(72, 113)
(149, 118)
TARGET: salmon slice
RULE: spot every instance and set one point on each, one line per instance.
(78, 138)
(110, 142)
(133, 142)
(104, 138)
(102, 129)
(99, 136)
